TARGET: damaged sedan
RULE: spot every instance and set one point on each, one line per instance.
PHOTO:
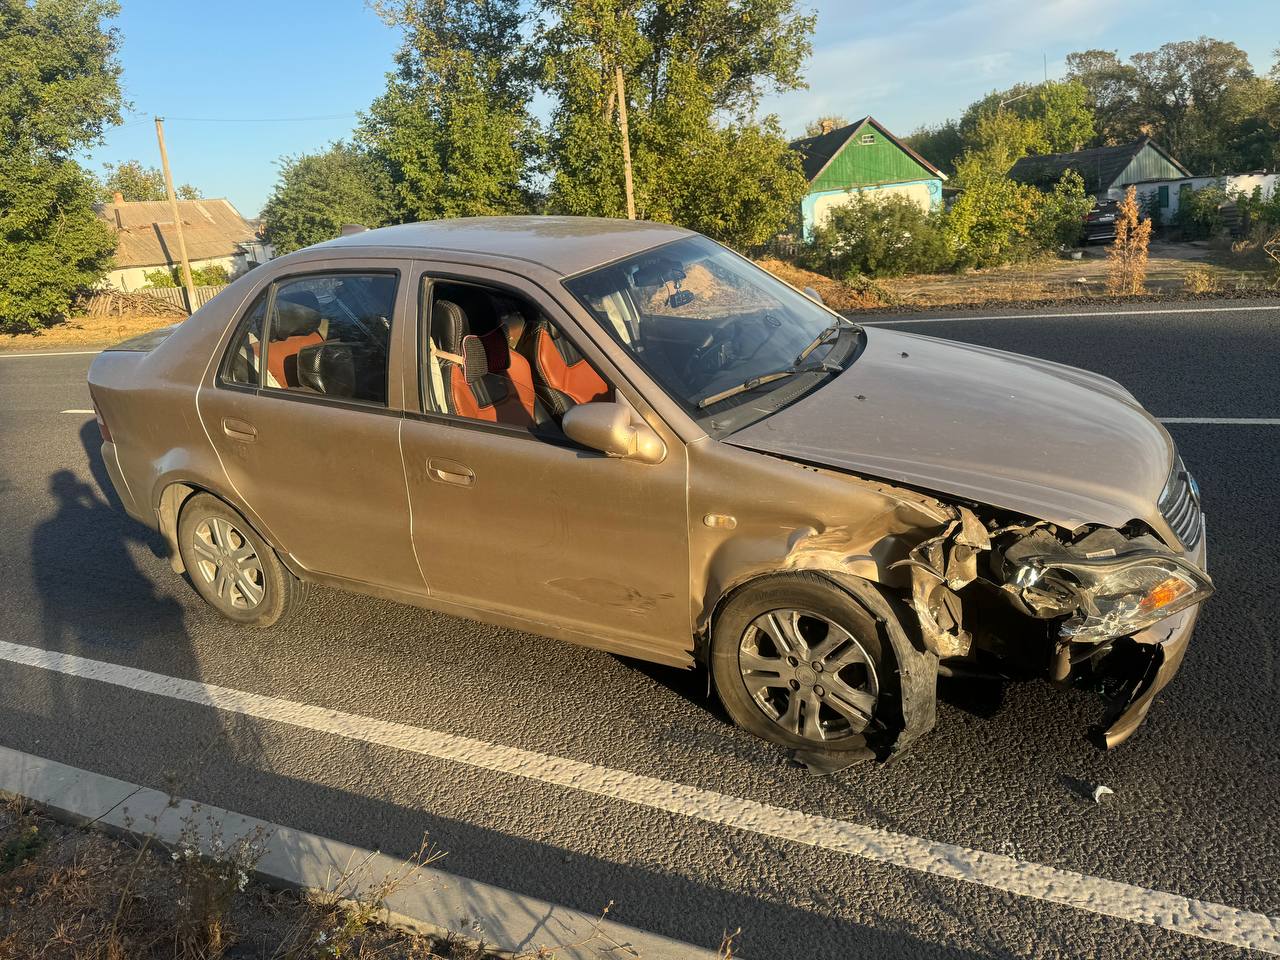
(626, 436)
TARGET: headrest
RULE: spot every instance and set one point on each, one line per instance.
(297, 315)
(475, 359)
(448, 325)
(511, 319)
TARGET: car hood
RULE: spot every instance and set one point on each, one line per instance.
(1048, 441)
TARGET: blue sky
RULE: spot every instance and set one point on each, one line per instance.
(225, 76)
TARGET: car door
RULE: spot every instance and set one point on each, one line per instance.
(304, 412)
(519, 521)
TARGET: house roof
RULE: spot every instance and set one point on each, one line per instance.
(1100, 167)
(146, 236)
(818, 151)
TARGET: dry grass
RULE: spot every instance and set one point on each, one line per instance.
(836, 295)
(85, 332)
(73, 893)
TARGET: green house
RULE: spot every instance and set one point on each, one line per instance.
(862, 157)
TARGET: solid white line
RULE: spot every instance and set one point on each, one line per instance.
(1198, 918)
(49, 353)
(1246, 421)
(90, 412)
(430, 901)
(1058, 316)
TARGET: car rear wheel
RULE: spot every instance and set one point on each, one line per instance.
(232, 567)
(804, 663)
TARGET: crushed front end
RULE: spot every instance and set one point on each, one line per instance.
(1108, 609)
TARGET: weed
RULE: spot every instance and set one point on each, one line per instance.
(1200, 279)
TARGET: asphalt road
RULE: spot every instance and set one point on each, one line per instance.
(1194, 808)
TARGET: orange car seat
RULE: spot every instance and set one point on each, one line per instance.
(296, 324)
(476, 370)
(562, 376)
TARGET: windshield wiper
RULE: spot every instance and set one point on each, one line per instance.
(822, 366)
(842, 323)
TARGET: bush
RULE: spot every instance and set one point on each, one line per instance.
(1059, 217)
(1200, 212)
(214, 275)
(877, 237)
(1256, 212)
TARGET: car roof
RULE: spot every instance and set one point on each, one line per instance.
(566, 245)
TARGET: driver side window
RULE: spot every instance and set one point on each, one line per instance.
(494, 356)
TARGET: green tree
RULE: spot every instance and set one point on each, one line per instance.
(318, 193)
(1112, 92)
(59, 90)
(694, 72)
(940, 144)
(453, 127)
(1060, 213)
(1056, 115)
(133, 181)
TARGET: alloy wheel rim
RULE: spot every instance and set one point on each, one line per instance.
(808, 675)
(228, 563)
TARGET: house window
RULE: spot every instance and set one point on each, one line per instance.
(867, 138)
(1164, 197)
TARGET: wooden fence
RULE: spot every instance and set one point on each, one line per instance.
(152, 302)
(177, 295)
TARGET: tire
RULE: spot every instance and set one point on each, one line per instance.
(834, 628)
(233, 568)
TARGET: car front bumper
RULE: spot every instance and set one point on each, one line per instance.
(1149, 659)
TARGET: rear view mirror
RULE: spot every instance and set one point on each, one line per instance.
(813, 294)
(610, 428)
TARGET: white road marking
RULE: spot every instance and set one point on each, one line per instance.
(1246, 421)
(90, 412)
(1058, 316)
(1197, 918)
(48, 353)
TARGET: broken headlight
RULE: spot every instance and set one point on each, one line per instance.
(1113, 596)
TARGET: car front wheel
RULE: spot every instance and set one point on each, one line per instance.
(806, 664)
(232, 567)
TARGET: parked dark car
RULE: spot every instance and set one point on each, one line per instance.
(627, 436)
(1100, 222)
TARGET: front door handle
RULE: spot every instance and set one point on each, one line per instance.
(450, 471)
(240, 430)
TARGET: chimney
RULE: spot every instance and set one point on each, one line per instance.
(827, 126)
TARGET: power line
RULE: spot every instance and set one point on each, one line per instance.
(328, 116)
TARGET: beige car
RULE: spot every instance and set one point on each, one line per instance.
(626, 436)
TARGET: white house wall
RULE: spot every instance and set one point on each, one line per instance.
(129, 279)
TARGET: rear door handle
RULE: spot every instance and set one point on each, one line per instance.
(239, 429)
(449, 471)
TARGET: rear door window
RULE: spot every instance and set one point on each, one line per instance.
(330, 335)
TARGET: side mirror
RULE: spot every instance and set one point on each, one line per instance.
(813, 294)
(609, 428)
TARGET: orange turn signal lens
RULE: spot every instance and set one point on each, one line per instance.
(1164, 593)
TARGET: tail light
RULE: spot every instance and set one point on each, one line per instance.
(102, 422)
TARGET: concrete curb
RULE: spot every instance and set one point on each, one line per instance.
(433, 902)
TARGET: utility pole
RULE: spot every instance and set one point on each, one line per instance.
(177, 219)
(621, 92)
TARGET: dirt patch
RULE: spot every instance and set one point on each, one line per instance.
(1174, 271)
(836, 295)
(85, 332)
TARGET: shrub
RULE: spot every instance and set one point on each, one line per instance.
(1059, 216)
(1199, 279)
(1200, 212)
(1127, 256)
(214, 275)
(877, 237)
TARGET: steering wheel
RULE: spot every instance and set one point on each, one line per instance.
(730, 343)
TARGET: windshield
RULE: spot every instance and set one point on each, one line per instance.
(707, 324)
